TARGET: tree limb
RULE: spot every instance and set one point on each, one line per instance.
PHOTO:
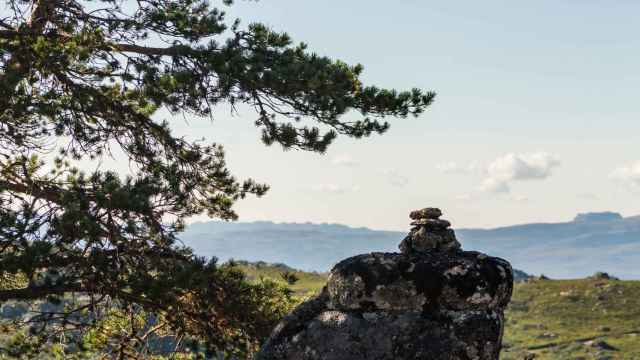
(38, 292)
(119, 47)
(52, 195)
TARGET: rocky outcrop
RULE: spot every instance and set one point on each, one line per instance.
(431, 301)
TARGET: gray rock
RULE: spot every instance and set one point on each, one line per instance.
(432, 223)
(429, 233)
(339, 335)
(426, 213)
(601, 344)
(431, 301)
(433, 305)
(424, 240)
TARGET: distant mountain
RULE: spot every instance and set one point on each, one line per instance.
(311, 247)
(591, 242)
(520, 276)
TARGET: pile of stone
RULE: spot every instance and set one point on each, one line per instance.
(429, 232)
(431, 301)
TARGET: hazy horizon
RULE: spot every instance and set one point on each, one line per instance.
(204, 221)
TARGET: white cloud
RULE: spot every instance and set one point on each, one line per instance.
(495, 186)
(344, 160)
(503, 171)
(396, 179)
(628, 174)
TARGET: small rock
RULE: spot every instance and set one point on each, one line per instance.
(601, 344)
(547, 335)
(426, 213)
(432, 223)
(533, 326)
(423, 240)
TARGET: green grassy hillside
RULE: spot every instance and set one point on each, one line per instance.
(593, 318)
(574, 319)
(307, 282)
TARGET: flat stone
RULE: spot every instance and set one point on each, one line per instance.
(601, 344)
(426, 213)
(432, 223)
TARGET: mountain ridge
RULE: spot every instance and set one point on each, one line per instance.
(617, 216)
(598, 241)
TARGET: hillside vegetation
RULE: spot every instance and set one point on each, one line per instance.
(306, 284)
(592, 318)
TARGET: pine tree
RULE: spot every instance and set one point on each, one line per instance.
(83, 80)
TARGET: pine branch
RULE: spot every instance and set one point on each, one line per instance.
(39, 292)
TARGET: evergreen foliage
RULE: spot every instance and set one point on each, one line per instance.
(82, 80)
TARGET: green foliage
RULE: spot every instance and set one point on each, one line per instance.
(128, 331)
(12, 281)
(84, 80)
(306, 284)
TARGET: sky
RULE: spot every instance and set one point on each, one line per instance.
(535, 118)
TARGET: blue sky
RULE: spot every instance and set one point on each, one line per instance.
(535, 119)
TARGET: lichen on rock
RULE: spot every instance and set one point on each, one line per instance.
(431, 301)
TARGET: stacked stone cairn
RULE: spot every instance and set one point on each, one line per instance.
(431, 301)
(429, 233)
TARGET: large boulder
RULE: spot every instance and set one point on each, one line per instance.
(435, 302)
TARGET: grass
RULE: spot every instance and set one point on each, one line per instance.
(548, 319)
(308, 282)
(554, 319)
